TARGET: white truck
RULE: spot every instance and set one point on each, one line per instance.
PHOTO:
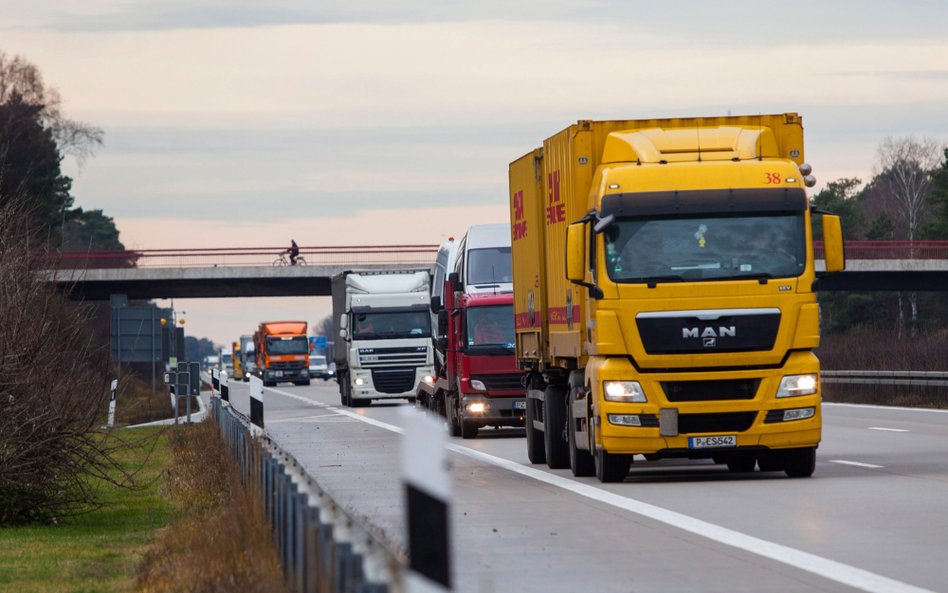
(382, 319)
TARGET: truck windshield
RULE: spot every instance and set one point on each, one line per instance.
(490, 328)
(489, 266)
(391, 325)
(296, 345)
(687, 249)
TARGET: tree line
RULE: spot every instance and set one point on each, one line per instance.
(906, 199)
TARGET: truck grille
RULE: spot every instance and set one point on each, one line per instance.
(393, 380)
(388, 357)
(500, 381)
(688, 332)
(703, 391)
(288, 366)
(726, 422)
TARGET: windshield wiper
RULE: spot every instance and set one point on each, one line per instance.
(652, 281)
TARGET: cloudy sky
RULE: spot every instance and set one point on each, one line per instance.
(245, 123)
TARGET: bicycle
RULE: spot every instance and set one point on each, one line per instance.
(284, 261)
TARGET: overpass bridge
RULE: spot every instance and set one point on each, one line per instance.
(258, 271)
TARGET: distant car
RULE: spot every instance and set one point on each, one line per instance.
(319, 368)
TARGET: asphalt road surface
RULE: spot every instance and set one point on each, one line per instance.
(874, 516)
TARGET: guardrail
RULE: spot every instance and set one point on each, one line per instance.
(910, 378)
(322, 549)
(890, 249)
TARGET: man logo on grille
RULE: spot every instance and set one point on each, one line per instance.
(710, 342)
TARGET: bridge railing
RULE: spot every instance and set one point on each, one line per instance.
(387, 254)
(891, 249)
(241, 256)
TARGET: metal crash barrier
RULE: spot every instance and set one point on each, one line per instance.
(322, 549)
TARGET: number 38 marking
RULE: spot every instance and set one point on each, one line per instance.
(772, 178)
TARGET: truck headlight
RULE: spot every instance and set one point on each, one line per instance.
(428, 379)
(360, 381)
(624, 391)
(478, 385)
(477, 408)
(793, 385)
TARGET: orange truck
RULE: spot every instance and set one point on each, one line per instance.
(282, 352)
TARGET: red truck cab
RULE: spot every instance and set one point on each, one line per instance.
(480, 383)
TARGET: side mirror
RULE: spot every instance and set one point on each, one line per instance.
(576, 252)
(455, 280)
(343, 321)
(435, 304)
(442, 322)
(344, 334)
(833, 250)
(441, 344)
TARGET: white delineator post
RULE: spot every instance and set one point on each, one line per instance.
(112, 404)
(427, 498)
(256, 401)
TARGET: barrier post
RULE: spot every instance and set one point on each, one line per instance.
(256, 401)
(427, 492)
(112, 404)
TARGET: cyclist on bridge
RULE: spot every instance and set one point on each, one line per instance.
(294, 252)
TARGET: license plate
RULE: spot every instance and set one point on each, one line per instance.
(520, 405)
(277, 373)
(712, 442)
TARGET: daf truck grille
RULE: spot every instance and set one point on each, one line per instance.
(388, 357)
(724, 422)
(704, 391)
(393, 380)
(708, 332)
(500, 381)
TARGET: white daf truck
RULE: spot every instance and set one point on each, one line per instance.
(384, 326)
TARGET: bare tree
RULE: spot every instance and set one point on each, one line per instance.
(53, 392)
(905, 167)
(21, 81)
(904, 174)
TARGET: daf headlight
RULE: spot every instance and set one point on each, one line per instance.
(360, 381)
(623, 391)
(793, 385)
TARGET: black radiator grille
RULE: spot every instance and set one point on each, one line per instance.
(724, 422)
(500, 381)
(393, 380)
(288, 366)
(703, 391)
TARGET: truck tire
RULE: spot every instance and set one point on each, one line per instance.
(344, 393)
(609, 466)
(554, 423)
(799, 463)
(536, 452)
(580, 460)
(468, 429)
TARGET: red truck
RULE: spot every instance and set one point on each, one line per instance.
(282, 351)
(479, 384)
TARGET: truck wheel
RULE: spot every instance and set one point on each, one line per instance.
(536, 452)
(580, 460)
(468, 429)
(609, 466)
(799, 463)
(344, 393)
(554, 421)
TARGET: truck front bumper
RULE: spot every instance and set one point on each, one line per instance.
(485, 410)
(754, 421)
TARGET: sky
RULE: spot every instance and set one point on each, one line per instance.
(240, 123)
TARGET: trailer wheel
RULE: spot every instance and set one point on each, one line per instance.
(554, 423)
(536, 452)
(580, 460)
(799, 463)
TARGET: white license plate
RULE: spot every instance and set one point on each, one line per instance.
(277, 373)
(712, 442)
(520, 405)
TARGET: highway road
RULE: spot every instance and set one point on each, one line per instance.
(874, 517)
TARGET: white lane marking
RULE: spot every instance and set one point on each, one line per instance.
(884, 429)
(856, 464)
(872, 407)
(822, 567)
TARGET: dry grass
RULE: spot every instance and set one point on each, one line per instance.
(222, 542)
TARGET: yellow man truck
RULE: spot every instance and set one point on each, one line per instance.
(663, 294)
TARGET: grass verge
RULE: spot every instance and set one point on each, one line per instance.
(98, 551)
